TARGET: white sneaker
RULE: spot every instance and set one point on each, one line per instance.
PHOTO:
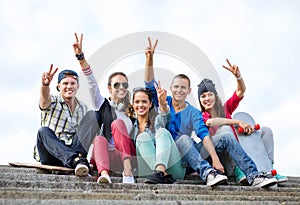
(264, 182)
(81, 170)
(104, 179)
(214, 178)
(128, 179)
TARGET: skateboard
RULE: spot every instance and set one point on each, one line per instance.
(46, 168)
(253, 145)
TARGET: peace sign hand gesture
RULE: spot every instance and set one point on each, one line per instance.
(149, 51)
(162, 96)
(48, 76)
(78, 44)
(233, 69)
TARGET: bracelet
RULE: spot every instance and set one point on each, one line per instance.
(239, 78)
(44, 84)
(79, 56)
(163, 106)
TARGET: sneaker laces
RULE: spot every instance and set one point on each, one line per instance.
(215, 173)
(81, 160)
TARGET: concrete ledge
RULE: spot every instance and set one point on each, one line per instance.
(27, 186)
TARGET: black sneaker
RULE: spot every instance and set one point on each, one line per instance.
(169, 179)
(158, 178)
(81, 166)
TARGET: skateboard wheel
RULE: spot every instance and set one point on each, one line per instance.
(273, 172)
(257, 127)
(240, 130)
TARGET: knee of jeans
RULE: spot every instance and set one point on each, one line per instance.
(91, 113)
(100, 140)
(163, 132)
(117, 122)
(229, 137)
(224, 128)
(43, 132)
(184, 142)
(92, 116)
(266, 131)
(144, 136)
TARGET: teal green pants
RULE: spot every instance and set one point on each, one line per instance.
(160, 150)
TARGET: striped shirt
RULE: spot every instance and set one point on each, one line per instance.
(58, 117)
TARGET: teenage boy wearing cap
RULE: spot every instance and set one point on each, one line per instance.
(185, 119)
(63, 119)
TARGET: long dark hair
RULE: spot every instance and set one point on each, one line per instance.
(152, 113)
(126, 100)
(218, 107)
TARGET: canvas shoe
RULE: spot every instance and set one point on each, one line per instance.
(81, 166)
(281, 178)
(214, 178)
(104, 179)
(264, 182)
(128, 179)
(158, 177)
(240, 176)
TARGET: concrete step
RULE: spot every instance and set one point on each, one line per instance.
(150, 195)
(123, 202)
(142, 192)
(29, 186)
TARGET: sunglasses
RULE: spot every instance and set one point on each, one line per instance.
(118, 85)
(144, 89)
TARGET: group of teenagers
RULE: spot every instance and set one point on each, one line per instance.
(148, 134)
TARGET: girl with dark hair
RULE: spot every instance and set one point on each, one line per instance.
(156, 149)
(113, 149)
(215, 115)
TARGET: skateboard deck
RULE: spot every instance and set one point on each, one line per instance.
(253, 145)
(53, 169)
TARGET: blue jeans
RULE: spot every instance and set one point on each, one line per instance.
(158, 150)
(187, 147)
(53, 151)
(224, 140)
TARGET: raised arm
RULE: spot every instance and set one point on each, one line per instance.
(162, 98)
(164, 111)
(241, 87)
(96, 97)
(149, 52)
(45, 98)
(77, 46)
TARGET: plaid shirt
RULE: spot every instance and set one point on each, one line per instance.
(58, 117)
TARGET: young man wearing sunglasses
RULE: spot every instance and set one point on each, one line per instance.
(185, 119)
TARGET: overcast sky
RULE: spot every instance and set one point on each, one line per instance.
(261, 37)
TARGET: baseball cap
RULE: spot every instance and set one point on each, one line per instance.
(67, 73)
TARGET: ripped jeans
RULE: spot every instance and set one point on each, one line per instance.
(224, 140)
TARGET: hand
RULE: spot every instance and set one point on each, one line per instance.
(233, 69)
(216, 164)
(161, 94)
(248, 129)
(48, 76)
(78, 45)
(149, 51)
